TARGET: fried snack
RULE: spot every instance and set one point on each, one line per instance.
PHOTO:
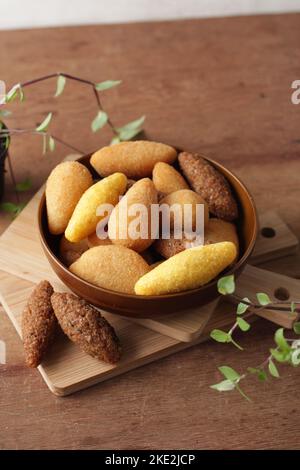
(94, 240)
(135, 159)
(210, 184)
(112, 267)
(84, 219)
(70, 252)
(189, 269)
(181, 198)
(85, 326)
(215, 231)
(166, 179)
(218, 230)
(38, 324)
(65, 186)
(120, 224)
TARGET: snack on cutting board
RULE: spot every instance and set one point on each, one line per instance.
(65, 186)
(189, 269)
(38, 324)
(210, 184)
(142, 192)
(85, 326)
(84, 219)
(112, 267)
(82, 323)
(135, 159)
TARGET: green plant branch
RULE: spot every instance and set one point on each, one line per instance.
(287, 350)
(76, 79)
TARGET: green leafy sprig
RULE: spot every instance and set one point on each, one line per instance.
(285, 350)
(126, 132)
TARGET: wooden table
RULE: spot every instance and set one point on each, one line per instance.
(220, 86)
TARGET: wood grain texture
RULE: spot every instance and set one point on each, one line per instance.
(225, 89)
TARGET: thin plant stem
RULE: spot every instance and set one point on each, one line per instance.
(76, 79)
(35, 132)
(274, 305)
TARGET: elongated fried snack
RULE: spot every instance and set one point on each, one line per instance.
(84, 219)
(189, 269)
(112, 267)
(210, 184)
(38, 324)
(65, 186)
(85, 326)
(135, 159)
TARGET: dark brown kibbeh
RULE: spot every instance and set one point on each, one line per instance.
(38, 324)
(85, 326)
(210, 184)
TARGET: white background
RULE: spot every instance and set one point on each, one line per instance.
(35, 13)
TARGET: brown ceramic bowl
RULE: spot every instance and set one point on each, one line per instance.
(154, 306)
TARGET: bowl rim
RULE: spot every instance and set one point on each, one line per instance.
(235, 267)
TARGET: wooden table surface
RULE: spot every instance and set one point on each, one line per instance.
(220, 86)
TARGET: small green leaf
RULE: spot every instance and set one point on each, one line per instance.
(133, 125)
(226, 285)
(21, 94)
(273, 369)
(243, 324)
(5, 113)
(24, 185)
(115, 140)
(262, 376)
(224, 386)
(12, 94)
(99, 121)
(295, 358)
(293, 307)
(45, 124)
(60, 85)
(278, 355)
(51, 144)
(11, 208)
(243, 393)
(263, 298)
(281, 341)
(107, 84)
(241, 308)
(296, 328)
(229, 373)
(220, 336)
(7, 141)
(129, 134)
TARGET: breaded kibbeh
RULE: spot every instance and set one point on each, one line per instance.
(38, 324)
(210, 184)
(85, 326)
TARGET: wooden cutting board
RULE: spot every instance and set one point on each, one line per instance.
(21, 255)
(67, 369)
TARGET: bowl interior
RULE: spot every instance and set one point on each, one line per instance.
(154, 306)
